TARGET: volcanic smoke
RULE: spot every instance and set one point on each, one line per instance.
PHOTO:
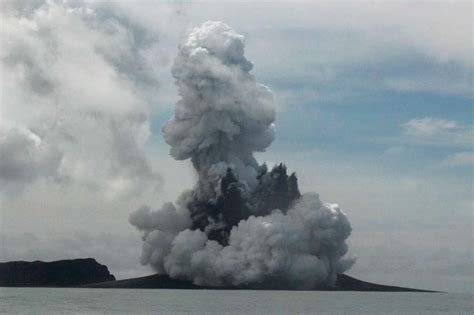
(242, 224)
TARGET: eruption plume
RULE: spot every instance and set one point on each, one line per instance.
(241, 225)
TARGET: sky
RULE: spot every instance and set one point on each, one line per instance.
(374, 112)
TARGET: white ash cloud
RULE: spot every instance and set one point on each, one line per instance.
(241, 224)
(224, 114)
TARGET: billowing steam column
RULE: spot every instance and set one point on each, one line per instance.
(241, 225)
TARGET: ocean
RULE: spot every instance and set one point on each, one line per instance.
(138, 301)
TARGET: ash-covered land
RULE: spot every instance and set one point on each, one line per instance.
(243, 224)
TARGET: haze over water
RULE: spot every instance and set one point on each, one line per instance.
(133, 301)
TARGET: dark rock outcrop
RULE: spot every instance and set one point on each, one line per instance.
(275, 189)
(61, 273)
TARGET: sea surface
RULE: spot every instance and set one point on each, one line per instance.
(137, 301)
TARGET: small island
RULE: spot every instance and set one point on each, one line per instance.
(61, 273)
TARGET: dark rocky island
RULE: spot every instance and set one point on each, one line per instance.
(343, 283)
(61, 273)
(88, 273)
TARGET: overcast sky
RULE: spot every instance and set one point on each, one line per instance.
(374, 112)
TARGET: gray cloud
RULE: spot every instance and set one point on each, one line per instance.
(24, 157)
(77, 80)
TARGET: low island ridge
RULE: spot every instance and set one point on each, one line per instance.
(88, 273)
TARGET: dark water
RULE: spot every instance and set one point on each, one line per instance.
(134, 301)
